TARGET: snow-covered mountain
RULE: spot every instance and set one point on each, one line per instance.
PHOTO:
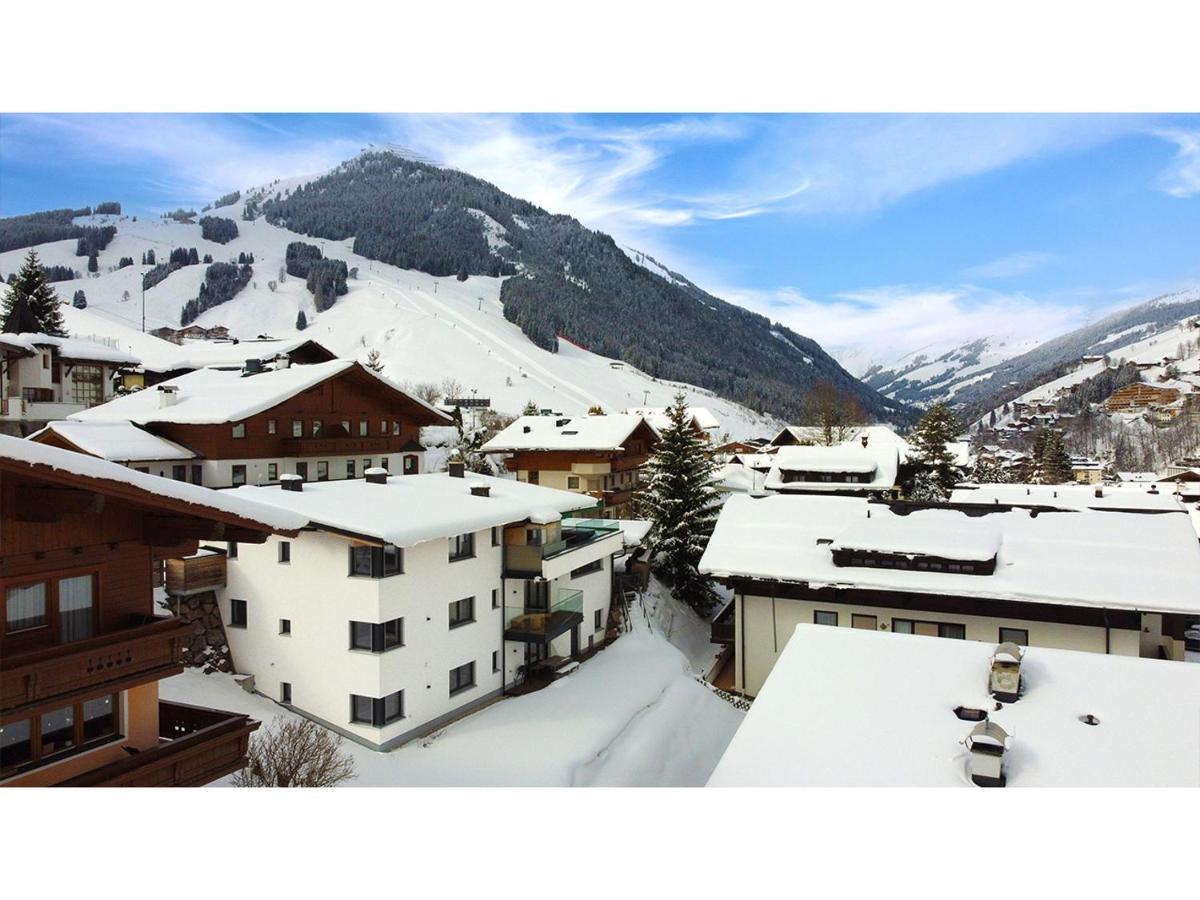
(426, 329)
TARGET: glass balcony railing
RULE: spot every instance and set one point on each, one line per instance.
(529, 623)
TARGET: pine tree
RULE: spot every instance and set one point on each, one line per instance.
(373, 361)
(926, 488)
(301, 321)
(937, 428)
(988, 473)
(79, 301)
(531, 409)
(681, 501)
(31, 284)
(93, 263)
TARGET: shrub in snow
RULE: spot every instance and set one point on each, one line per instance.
(295, 753)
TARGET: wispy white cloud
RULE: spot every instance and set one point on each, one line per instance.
(1181, 178)
(1010, 266)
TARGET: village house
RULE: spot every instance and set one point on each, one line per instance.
(1086, 470)
(43, 378)
(82, 647)
(1140, 396)
(253, 425)
(600, 456)
(1104, 581)
(703, 423)
(854, 469)
(408, 602)
(170, 361)
(846, 707)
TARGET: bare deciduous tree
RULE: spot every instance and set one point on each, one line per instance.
(427, 391)
(835, 412)
(451, 387)
(295, 753)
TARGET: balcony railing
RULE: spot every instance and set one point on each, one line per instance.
(193, 574)
(196, 746)
(144, 652)
(329, 446)
(530, 625)
(526, 559)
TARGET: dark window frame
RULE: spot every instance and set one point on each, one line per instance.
(826, 612)
(457, 684)
(590, 568)
(285, 552)
(81, 742)
(234, 471)
(456, 607)
(386, 561)
(462, 546)
(378, 717)
(285, 627)
(237, 606)
(377, 638)
(1024, 631)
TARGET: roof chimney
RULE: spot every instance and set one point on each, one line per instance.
(864, 440)
(1004, 681)
(479, 489)
(168, 395)
(525, 429)
(376, 475)
(282, 362)
(986, 744)
(291, 482)
(457, 468)
(252, 367)
(1099, 491)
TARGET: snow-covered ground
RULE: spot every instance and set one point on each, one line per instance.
(426, 329)
(632, 715)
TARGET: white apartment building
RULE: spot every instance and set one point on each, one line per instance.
(409, 601)
(1098, 580)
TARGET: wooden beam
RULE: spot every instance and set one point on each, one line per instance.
(167, 531)
(246, 535)
(49, 504)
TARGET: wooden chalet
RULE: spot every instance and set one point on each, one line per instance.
(82, 648)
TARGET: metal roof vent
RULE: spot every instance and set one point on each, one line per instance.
(525, 429)
(252, 367)
(478, 489)
(986, 744)
(1089, 719)
(559, 423)
(970, 714)
(1004, 680)
(376, 475)
(1099, 491)
(290, 482)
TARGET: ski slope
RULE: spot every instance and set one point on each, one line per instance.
(426, 329)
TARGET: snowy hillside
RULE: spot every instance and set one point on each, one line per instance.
(425, 328)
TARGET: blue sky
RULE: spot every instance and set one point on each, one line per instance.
(892, 231)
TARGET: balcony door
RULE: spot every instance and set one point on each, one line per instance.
(537, 595)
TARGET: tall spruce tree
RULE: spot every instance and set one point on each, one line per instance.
(31, 284)
(933, 433)
(1051, 464)
(681, 500)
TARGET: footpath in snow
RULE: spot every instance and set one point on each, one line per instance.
(633, 715)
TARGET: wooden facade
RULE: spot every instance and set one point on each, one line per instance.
(81, 645)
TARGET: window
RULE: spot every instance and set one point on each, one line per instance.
(410, 464)
(231, 550)
(462, 546)
(929, 629)
(395, 428)
(88, 385)
(376, 562)
(76, 608)
(868, 623)
(350, 473)
(322, 470)
(377, 637)
(362, 428)
(239, 429)
(237, 613)
(302, 470)
(383, 426)
(297, 428)
(384, 461)
(462, 678)
(462, 612)
(377, 712)
(495, 598)
(572, 482)
(285, 692)
(594, 566)
(197, 475)
(598, 620)
(591, 641)
(1019, 636)
(285, 551)
(495, 537)
(271, 426)
(346, 426)
(367, 464)
(495, 660)
(316, 428)
(239, 476)
(29, 741)
(272, 471)
(179, 473)
(825, 617)
(285, 626)
(26, 607)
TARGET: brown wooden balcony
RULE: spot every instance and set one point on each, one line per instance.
(193, 574)
(148, 650)
(335, 446)
(624, 463)
(196, 747)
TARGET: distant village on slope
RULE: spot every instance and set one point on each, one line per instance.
(222, 550)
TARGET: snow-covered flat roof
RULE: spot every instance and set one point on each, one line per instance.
(223, 394)
(943, 538)
(199, 354)
(412, 509)
(1126, 495)
(849, 707)
(1106, 559)
(117, 441)
(607, 432)
(70, 348)
(33, 454)
(879, 462)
